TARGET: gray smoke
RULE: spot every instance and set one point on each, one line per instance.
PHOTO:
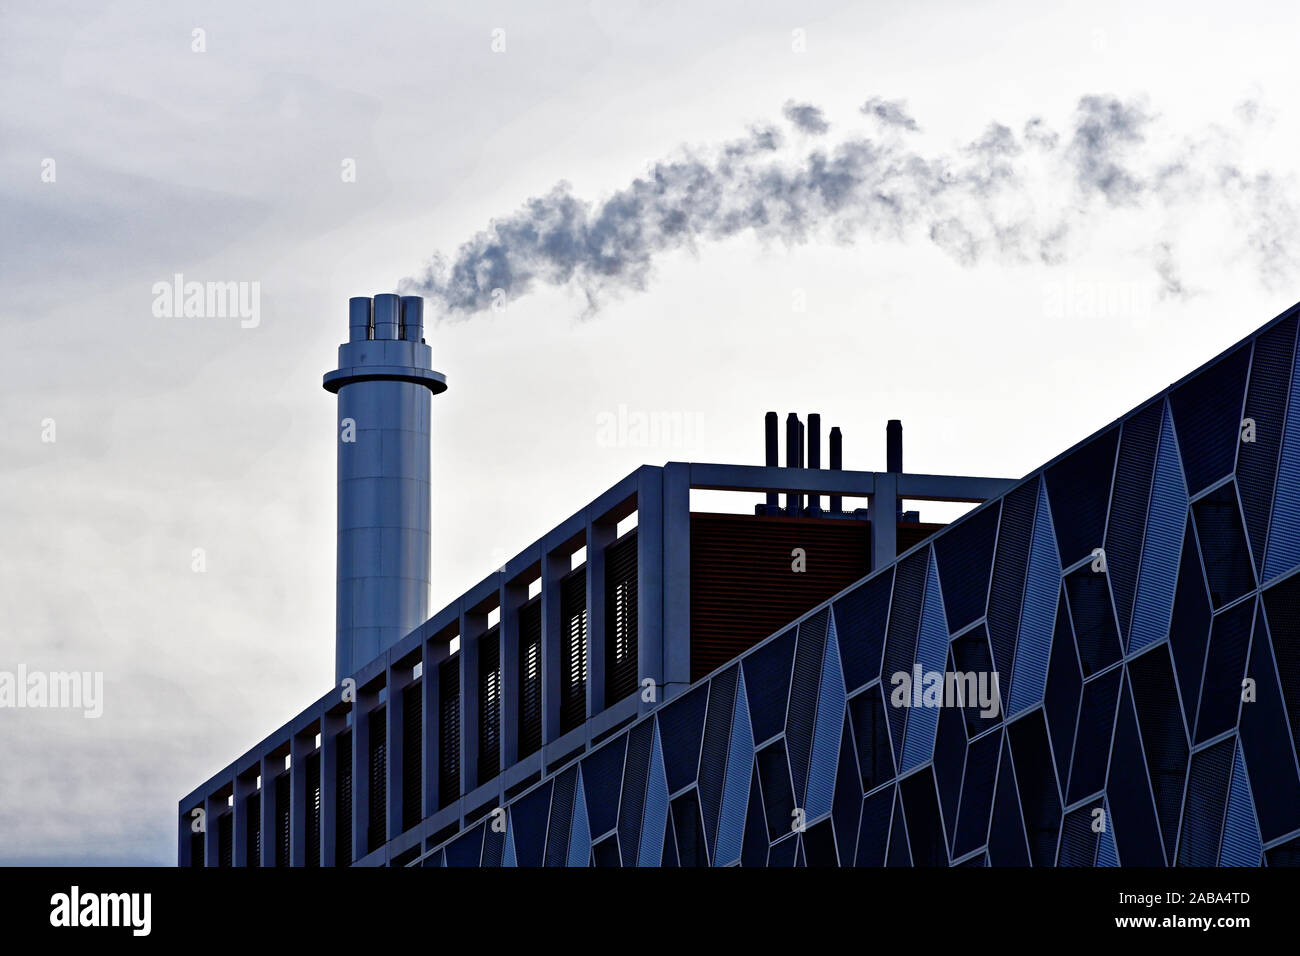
(971, 202)
(806, 117)
(890, 113)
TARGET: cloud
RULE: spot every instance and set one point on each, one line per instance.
(806, 117)
(1105, 131)
(890, 113)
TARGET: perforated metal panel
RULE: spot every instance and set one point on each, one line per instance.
(225, 840)
(343, 801)
(573, 619)
(253, 829)
(282, 830)
(489, 705)
(313, 809)
(378, 767)
(620, 619)
(449, 730)
(530, 677)
(412, 754)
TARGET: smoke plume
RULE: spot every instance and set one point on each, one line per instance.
(972, 202)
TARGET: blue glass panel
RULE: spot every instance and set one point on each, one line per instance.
(924, 826)
(1128, 507)
(1266, 740)
(767, 675)
(557, 837)
(1207, 413)
(1006, 835)
(1038, 618)
(580, 830)
(1128, 798)
(1040, 800)
(1078, 487)
(1241, 843)
(1092, 742)
(1225, 666)
(735, 792)
(602, 779)
(528, 824)
(689, 829)
(466, 849)
(848, 799)
(717, 741)
(904, 619)
(635, 772)
(1270, 381)
(656, 809)
(1064, 688)
(861, 617)
(681, 726)
(1107, 855)
(1189, 633)
(899, 853)
(965, 559)
(1008, 589)
(826, 732)
(931, 659)
(1282, 606)
(1207, 794)
(1164, 736)
(1093, 617)
(1079, 837)
(1222, 540)
(809, 658)
(977, 793)
(508, 854)
(754, 851)
(873, 834)
(1165, 522)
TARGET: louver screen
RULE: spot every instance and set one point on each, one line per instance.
(225, 841)
(412, 754)
(573, 618)
(744, 582)
(449, 730)
(620, 619)
(530, 677)
(313, 808)
(489, 705)
(282, 819)
(376, 831)
(196, 849)
(253, 831)
(343, 787)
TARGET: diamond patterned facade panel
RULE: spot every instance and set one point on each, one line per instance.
(1099, 668)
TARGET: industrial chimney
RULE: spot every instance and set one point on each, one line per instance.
(384, 382)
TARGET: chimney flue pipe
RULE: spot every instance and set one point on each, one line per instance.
(814, 454)
(793, 455)
(894, 454)
(894, 446)
(837, 463)
(770, 456)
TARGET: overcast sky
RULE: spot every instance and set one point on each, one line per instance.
(1005, 226)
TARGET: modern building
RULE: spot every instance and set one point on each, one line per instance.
(1097, 665)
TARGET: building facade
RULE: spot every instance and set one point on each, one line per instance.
(1098, 665)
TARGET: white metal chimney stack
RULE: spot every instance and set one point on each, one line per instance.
(384, 382)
